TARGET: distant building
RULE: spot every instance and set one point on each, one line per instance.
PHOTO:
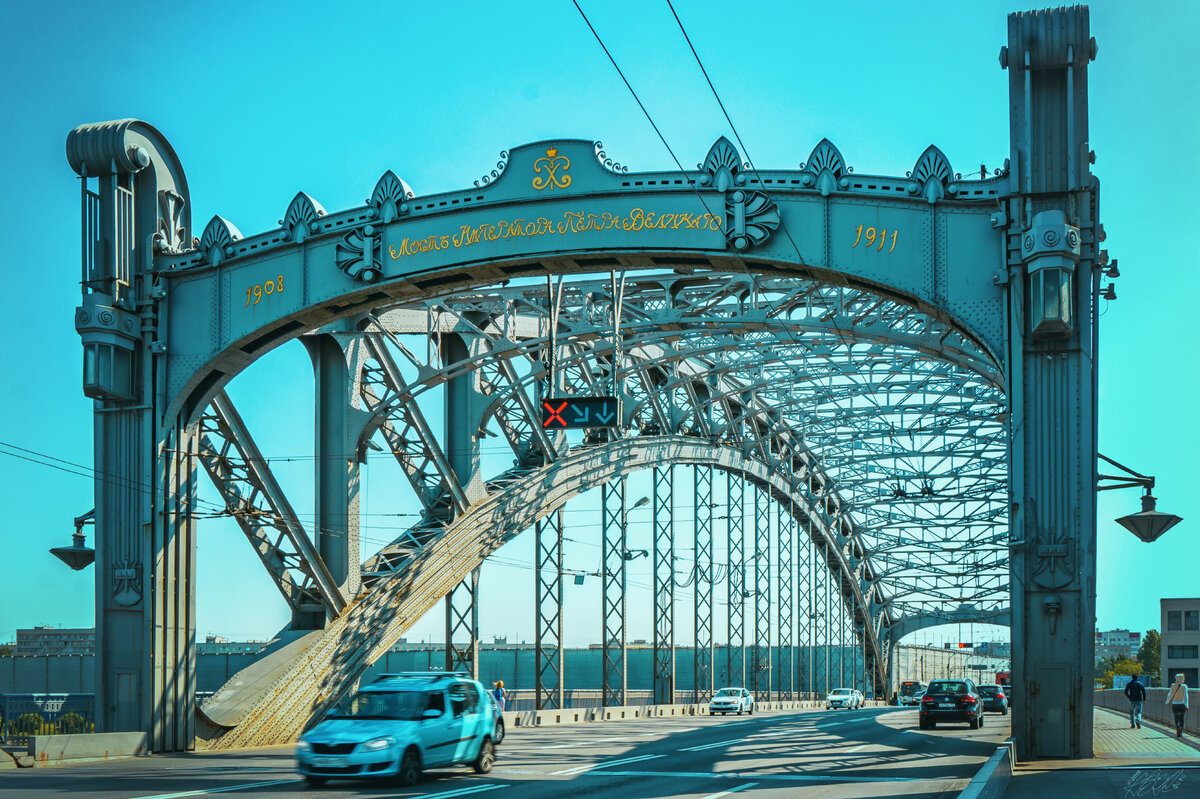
(56, 641)
(1117, 644)
(220, 645)
(1180, 650)
(996, 649)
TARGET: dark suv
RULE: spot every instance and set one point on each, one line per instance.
(951, 700)
(994, 699)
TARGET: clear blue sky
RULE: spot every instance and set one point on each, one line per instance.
(263, 99)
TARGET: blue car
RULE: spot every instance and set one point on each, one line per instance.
(400, 725)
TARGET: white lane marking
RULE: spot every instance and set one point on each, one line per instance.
(736, 775)
(702, 747)
(457, 792)
(731, 790)
(226, 789)
(855, 749)
(594, 766)
(589, 743)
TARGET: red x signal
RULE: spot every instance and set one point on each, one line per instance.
(555, 414)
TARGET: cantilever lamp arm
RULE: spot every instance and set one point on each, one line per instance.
(1130, 478)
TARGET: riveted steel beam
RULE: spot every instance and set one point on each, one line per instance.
(736, 583)
(255, 500)
(703, 621)
(462, 621)
(664, 585)
(612, 603)
(761, 674)
(785, 524)
(548, 611)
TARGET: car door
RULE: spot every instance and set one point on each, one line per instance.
(439, 736)
(467, 707)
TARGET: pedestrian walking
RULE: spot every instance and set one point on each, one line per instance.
(1135, 692)
(1177, 698)
(499, 693)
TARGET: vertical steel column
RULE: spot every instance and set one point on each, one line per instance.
(547, 611)
(735, 653)
(704, 584)
(821, 627)
(786, 524)
(805, 612)
(762, 594)
(462, 617)
(664, 585)
(612, 603)
(336, 472)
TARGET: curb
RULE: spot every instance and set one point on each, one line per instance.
(991, 781)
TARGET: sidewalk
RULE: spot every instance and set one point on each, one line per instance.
(1127, 763)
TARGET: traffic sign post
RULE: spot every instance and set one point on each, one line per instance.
(575, 413)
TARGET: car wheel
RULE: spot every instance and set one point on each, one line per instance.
(314, 782)
(410, 768)
(973, 723)
(1003, 711)
(498, 733)
(486, 757)
(980, 719)
(750, 710)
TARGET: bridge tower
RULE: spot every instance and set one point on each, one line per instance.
(1054, 265)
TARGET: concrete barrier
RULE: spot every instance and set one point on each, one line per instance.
(1154, 708)
(991, 781)
(49, 750)
(580, 715)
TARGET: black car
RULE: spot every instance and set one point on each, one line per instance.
(994, 699)
(951, 700)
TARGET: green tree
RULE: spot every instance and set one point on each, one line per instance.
(7, 650)
(1150, 655)
(1115, 666)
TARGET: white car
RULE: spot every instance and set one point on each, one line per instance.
(848, 698)
(731, 700)
(399, 725)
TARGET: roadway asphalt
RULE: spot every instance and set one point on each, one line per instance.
(875, 752)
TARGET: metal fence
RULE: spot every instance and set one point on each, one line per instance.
(24, 715)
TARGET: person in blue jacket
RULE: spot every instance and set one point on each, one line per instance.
(1135, 692)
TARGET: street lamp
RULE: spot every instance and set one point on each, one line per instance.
(1150, 523)
(78, 556)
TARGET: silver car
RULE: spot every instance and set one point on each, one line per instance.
(731, 700)
(848, 698)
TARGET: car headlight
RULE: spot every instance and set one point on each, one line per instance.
(303, 748)
(379, 743)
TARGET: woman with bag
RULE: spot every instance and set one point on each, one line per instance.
(1177, 698)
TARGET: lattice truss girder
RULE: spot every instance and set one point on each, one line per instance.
(894, 418)
(254, 499)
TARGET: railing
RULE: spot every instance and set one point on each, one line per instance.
(585, 698)
(25, 715)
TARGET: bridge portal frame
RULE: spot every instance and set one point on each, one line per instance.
(165, 328)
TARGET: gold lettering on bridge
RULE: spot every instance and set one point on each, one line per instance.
(572, 223)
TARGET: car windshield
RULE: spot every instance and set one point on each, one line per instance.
(841, 690)
(948, 688)
(400, 705)
(989, 690)
(728, 692)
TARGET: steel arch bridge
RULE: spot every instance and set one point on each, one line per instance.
(898, 370)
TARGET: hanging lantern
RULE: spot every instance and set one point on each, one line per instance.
(1050, 249)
